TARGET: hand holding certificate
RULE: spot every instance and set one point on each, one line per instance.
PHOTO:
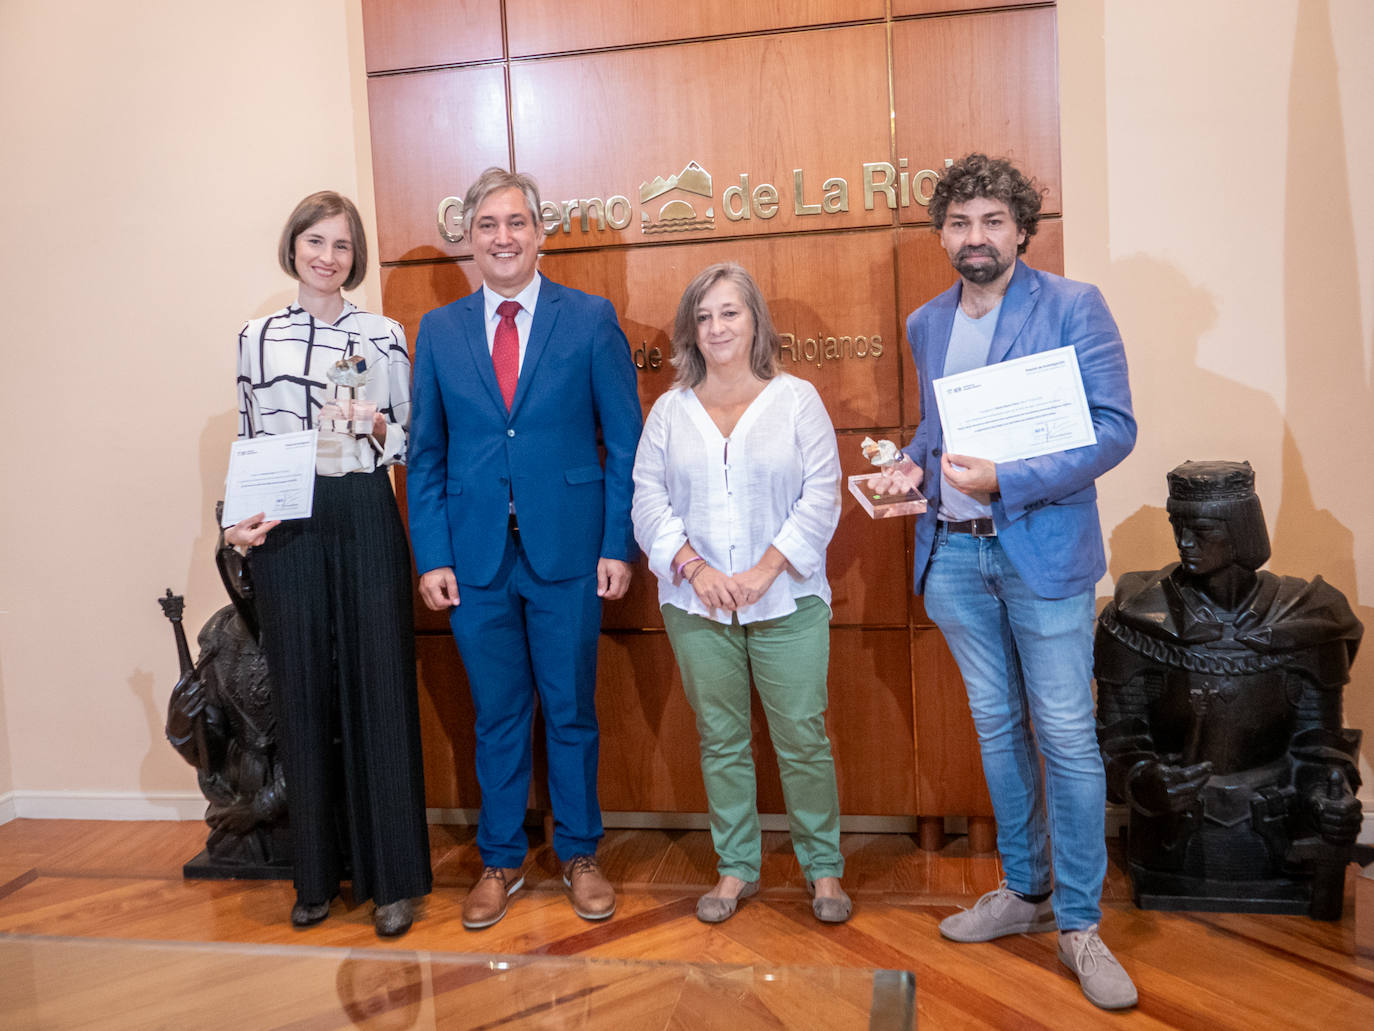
(1016, 409)
(271, 475)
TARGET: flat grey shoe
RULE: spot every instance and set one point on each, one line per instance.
(1103, 980)
(308, 914)
(998, 913)
(394, 918)
(832, 910)
(716, 909)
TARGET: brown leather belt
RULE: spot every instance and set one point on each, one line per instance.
(983, 527)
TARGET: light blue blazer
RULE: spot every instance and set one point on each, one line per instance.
(469, 457)
(1046, 511)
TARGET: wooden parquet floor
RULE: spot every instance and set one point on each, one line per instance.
(105, 882)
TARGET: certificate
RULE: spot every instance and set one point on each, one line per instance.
(1016, 409)
(273, 475)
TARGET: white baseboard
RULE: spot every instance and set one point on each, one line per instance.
(7, 812)
(107, 805)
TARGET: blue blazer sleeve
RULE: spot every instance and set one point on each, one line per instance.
(1087, 327)
(426, 470)
(615, 392)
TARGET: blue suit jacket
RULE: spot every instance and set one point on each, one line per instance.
(469, 456)
(1046, 510)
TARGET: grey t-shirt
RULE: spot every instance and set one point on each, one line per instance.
(970, 340)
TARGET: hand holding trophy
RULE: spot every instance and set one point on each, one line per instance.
(895, 470)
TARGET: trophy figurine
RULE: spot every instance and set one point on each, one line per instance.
(884, 455)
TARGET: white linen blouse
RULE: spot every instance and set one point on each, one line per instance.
(282, 381)
(775, 480)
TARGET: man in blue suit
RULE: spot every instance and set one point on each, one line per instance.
(1008, 556)
(519, 530)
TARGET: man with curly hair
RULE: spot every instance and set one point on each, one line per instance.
(1008, 556)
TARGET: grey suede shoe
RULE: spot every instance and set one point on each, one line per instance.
(834, 909)
(308, 914)
(716, 909)
(393, 919)
(1103, 980)
(996, 914)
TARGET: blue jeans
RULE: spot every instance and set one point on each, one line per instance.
(1027, 659)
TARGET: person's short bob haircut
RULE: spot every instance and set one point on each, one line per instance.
(687, 357)
(977, 175)
(316, 208)
(493, 180)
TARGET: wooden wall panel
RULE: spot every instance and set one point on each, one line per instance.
(949, 767)
(409, 291)
(983, 82)
(432, 134)
(832, 285)
(421, 33)
(650, 758)
(556, 26)
(446, 725)
(603, 101)
(838, 286)
(870, 722)
(603, 124)
(902, 8)
(649, 753)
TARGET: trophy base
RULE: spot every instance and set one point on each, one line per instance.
(885, 506)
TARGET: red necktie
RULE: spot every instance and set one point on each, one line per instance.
(505, 350)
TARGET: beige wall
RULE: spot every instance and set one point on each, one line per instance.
(1210, 158)
(150, 162)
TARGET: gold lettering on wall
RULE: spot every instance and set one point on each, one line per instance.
(685, 213)
(821, 348)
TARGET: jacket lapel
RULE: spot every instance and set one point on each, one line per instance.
(546, 310)
(1022, 293)
(941, 325)
(472, 319)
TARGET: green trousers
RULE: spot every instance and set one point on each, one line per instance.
(788, 657)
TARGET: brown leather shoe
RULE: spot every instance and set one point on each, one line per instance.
(591, 894)
(486, 902)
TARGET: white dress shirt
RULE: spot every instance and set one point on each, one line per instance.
(524, 318)
(283, 363)
(775, 480)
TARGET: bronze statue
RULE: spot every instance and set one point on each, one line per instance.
(1219, 715)
(220, 720)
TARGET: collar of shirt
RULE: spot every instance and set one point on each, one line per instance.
(524, 318)
(293, 309)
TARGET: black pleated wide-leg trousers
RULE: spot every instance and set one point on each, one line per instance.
(334, 601)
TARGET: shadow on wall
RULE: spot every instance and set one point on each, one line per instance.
(1175, 398)
(1320, 436)
(1328, 402)
(200, 584)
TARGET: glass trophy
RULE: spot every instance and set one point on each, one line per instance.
(342, 414)
(884, 456)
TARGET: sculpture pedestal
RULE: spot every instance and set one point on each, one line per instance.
(204, 868)
(1155, 890)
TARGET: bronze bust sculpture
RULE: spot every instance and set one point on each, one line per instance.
(1219, 715)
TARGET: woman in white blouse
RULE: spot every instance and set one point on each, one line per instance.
(737, 484)
(333, 591)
